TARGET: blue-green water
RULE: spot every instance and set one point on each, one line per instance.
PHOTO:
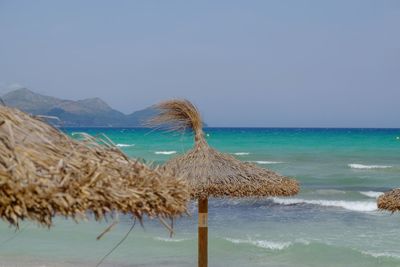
(332, 222)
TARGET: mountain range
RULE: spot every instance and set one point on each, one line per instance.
(91, 112)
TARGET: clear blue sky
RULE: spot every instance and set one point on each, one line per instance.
(244, 63)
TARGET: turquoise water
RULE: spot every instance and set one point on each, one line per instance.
(332, 222)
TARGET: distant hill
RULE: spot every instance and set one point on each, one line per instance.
(91, 112)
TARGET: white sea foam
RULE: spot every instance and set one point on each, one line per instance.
(381, 254)
(76, 133)
(372, 194)
(362, 206)
(261, 243)
(125, 145)
(361, 166)
(171, 239)
(271, 245)
(241, 153)
(165, 152)
(266, 162)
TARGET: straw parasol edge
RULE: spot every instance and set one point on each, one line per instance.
(210, 172)
(44, 173)
(390, 200)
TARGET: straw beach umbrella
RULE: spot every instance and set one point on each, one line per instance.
(212, 173)
(390, 200)
(44, 173)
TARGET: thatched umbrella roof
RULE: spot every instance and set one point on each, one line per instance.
(390, 200)
(210, 172)
(45, 173)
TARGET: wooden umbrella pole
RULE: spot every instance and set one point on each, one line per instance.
(203, 232)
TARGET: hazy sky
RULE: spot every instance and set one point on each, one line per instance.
(243, 63)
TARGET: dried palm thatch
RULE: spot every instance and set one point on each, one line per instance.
(212, 173)
(390, 200)
(45, 173)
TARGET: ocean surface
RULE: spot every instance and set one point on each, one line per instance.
(334, 221)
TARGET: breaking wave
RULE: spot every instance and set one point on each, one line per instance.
(372, 194)
(261, 243)
(241, 153)
(266, 162)
(361, 166)
(279, 246)
(381, 254)
(265, 243)
(362, 206)
(125, 145)
(165, 152)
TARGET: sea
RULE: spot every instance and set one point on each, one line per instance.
(333, 221)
